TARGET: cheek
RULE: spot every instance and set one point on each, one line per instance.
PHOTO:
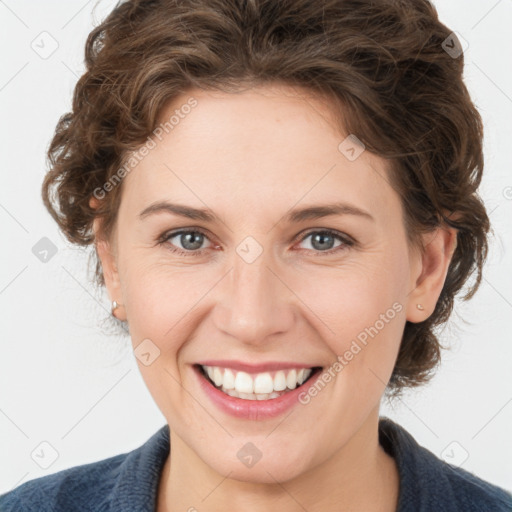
(159, 306)
(359, 309)
(158, 298)
(347, 299)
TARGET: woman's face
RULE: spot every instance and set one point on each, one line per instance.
(259, 283)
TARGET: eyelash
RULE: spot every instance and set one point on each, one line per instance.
(347, 241)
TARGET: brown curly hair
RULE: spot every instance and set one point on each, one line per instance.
(382, 62)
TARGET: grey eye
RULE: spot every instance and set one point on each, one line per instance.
(189, 240)
(322, 240)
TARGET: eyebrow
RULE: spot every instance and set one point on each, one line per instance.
(324, 210)
(178, 209)
(296, 215)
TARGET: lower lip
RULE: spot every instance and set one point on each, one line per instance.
(253, 409)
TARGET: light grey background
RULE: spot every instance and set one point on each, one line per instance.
(67, 383)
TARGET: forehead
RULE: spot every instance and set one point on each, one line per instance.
(259, 149)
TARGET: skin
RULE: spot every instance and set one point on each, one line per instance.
(250, 157)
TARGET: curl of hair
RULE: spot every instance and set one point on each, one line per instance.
(381, 63)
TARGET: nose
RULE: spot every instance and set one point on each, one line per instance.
(256, 304)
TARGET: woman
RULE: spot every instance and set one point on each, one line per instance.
(213, 148)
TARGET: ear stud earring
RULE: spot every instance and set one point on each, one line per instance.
(420, 307)
(115, 305)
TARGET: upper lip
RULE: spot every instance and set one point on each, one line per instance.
(255, 367)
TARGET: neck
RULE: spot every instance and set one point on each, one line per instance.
(359, 476)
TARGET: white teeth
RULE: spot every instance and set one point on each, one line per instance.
(263, 383)
(291, 379)
(279, 381)
(229, 379)
(243, 383)
(261, 386)
(217, 376)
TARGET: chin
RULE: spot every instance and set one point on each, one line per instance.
(271, 468)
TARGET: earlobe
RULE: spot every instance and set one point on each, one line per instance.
(111, 277)
(435, 259)
(107, 258)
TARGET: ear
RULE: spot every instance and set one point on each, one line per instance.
(107, 255)
(430, 272)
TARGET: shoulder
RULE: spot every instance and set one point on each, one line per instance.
(120, 483)
(428, 483)
(472, 493)
(69, 489)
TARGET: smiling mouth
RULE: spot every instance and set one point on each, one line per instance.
(257, 386)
